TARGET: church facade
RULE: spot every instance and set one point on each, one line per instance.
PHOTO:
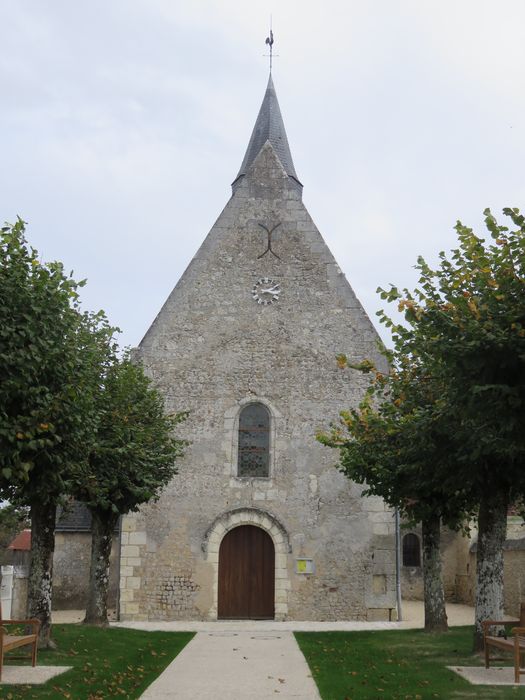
(258, 522)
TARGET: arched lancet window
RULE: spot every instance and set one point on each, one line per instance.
(254, 441)
(411, 550)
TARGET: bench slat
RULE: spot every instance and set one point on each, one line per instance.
(11, 641)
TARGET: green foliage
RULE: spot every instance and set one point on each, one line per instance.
(446, 425)
(106, 663)
(399, 443)
(466, 325)
(50, 358)
(400, 665)
(134, 449)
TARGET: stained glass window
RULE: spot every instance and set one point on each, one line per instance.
(254, 441)
(411, 550)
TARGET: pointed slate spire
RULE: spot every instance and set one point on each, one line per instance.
(269, 127)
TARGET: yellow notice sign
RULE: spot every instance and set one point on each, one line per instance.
(304, 566)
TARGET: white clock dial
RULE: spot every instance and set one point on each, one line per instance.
(265, 291)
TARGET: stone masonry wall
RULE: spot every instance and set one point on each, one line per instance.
(454, 557)
(71, 563)
(211, 350)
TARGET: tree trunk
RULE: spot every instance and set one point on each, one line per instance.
(102, 527)
(492, 531)
(40, 584)
(435, 613)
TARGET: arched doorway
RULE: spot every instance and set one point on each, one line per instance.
(246, 574)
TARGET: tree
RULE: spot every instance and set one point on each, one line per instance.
(451, 420)
(466, 325)
(50, 359)
(398, 443)
(132, 457)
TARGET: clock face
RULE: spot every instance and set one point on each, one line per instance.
(265, 291)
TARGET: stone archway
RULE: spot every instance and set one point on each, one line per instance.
(279, 536)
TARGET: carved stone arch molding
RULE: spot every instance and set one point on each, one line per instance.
(270, 524)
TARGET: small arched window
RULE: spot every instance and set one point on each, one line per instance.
(254, 441)
(411, 550)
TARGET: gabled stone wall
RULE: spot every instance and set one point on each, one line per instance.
(212, 349)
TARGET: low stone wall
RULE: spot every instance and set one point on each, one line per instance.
(514, 577)
(454, 559)
(459, 572)
(19, 594)
(71, 571)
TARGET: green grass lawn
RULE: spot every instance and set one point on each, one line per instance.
(395, 665)
(106, 663)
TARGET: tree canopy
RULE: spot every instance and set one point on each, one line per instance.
(132, 457)
(444, 431)
(466, 325)
(399, 442)
(134, 448)
(50, 355)
(74, 418)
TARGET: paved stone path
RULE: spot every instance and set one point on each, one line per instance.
(237, 665)
(245, 659)
(29, 675)
(478, 675)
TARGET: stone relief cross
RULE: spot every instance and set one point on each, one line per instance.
(269, 231)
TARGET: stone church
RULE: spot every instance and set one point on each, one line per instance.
(259, 523)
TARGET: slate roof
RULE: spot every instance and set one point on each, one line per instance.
(75, 518)
(269, 126)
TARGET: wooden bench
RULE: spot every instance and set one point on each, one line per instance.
(515, 642)
(8, 642)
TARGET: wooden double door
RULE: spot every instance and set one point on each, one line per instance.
(246, 574)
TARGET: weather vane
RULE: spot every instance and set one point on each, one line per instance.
(269, 42)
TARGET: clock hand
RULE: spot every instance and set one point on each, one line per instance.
(272, 290)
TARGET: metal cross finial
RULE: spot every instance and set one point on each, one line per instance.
(269, 42)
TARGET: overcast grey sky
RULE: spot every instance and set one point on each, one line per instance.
(123, 123)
